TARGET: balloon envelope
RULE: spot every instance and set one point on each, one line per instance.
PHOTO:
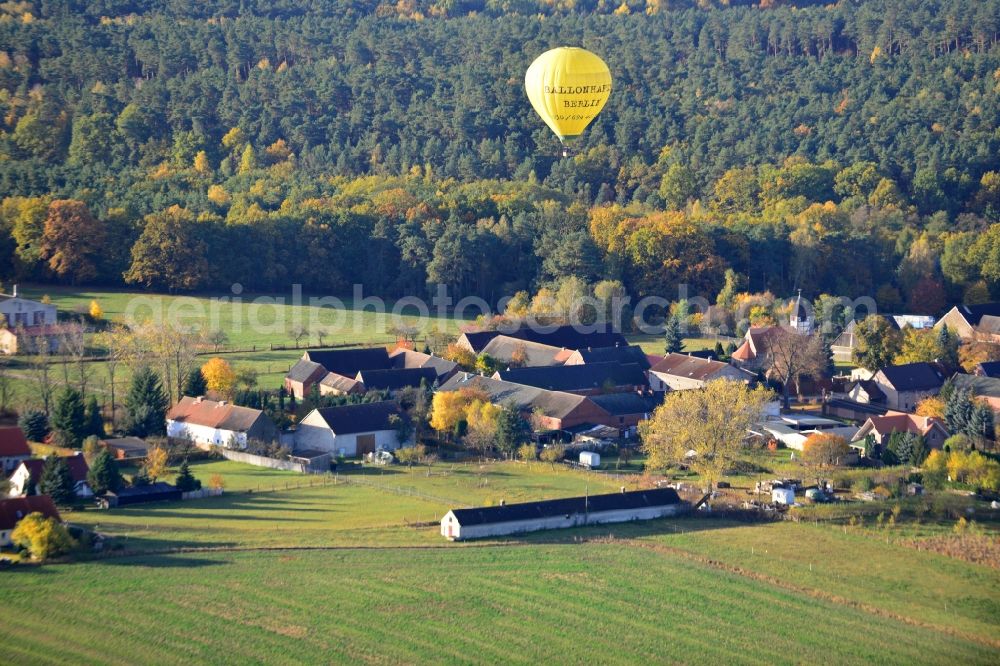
(568, 87)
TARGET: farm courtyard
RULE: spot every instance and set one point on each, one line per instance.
(311, 569)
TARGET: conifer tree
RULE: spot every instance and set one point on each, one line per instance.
(56, 481)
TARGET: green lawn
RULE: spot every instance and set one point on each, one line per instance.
(653, 344)
(387, 588)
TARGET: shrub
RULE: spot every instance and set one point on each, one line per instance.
(527, 452)
(825, 449)
(42, 537)
(553, 453)
(185, 481)
(864, 483)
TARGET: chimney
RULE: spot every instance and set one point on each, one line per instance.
(222, 403)
(15, 291)
(623, 490)
(198, 400)
(503, 502)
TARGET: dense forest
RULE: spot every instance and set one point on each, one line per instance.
(851, 148)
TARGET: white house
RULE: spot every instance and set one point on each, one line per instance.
(19, 311)
(210, 423)
(31, 470)
(352, 430)
(492, 521)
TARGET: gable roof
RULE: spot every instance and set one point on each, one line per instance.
(393, 379)
(985, 387)
(360, 418)
(975, 313)
(212, 414)
(349, 362)
(407, 358)
(576, 377)
(14, 509)
(305, 371)
(13, 442)
(900, 422)
(636, 499)
(913, 376)
(556, 404)
(619, 354)
(340, 382)
(988, 369)
(566, 336)
(163, 488)
(874, 393)
(503, 348)
(77, 465)
(691, 367)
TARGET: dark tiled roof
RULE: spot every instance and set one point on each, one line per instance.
(875, 394)
(14, 509)
(305, 371)
(986, 387)
(13, 442)
(989, 369)
(390, 380)
(637, 499)
(154, 489)
(559, 336)
(577, 377)
(349, 362)
(620, 354)
(77, 467)
(622, 404)
(914, 376)
(364, 417)
(974, 313)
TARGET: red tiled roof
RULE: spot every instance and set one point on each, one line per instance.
(744, 353)
(900, 422)
(212, 414)
(14, 509)
(13, 442)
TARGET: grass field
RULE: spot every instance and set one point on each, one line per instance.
(361, 574)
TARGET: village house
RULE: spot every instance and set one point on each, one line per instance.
(906, 385)
(588, 379)
(353, 430)
(843, 347)
(987, 369)
(866, 392)
(968, 321)
(880, 428)
(752, 354)
(494, 521)
(18, 311)
(209, 423)
(506, 349)
(342, 371)
(679, 372)
(29, 473)
(562, 337)
(14, 449)
(14, 509)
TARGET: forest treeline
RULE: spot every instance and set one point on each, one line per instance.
(186, 145)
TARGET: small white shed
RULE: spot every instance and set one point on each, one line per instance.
(590, 460)
(783, 496)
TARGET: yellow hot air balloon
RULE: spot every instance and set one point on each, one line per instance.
(568, 87)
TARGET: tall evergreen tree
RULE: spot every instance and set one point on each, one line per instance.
(185, 481)
(194, 384)
(94, 422)
(672, 339)
(146, 404)
(69, 418)
(35, 425)
(56, 481)
(958, 411)
(104, 474)
(980, 425)
(512, 430)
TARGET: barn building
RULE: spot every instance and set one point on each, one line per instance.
(351, 430)
(210, 423)
(493, 521)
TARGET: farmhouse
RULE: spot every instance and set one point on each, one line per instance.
(23, 312)
(625, 410)
(29, 473)
(969, 320)
(587, 379)
(210, 423)
(532, 354)
(462, 524)
(14, 449)
(342, 371)
(679, 372)
(352, 430)
(13, 510)
(881, 427)
(303, 376)
(906, 385)
(554, 410)
(563, 337)
(394, 379)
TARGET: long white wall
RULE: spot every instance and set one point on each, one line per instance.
(205, 434)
